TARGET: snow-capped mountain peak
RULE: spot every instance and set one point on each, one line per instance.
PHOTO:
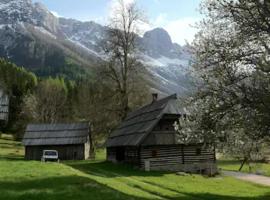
(24, 24)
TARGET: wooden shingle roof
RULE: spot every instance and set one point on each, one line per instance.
(56, 134)
(138, 124)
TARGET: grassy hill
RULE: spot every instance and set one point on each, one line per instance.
(99, 180)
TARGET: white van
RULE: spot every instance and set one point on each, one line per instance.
(49, 155)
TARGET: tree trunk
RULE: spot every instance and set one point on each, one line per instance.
(92, 152)
(124, 104)
(242, 164)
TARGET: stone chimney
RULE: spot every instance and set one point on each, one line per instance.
(155, 97)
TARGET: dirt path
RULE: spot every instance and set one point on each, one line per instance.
(263, 180)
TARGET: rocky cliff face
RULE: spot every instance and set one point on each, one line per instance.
(32, 36)
(15, 12)
(85, 34)
(43, 18)
(158, 43)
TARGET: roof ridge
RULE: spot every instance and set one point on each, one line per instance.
(58, 130)
(59, 123)
(173, 96)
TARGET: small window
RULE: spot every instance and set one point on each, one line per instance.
(50, 153)
(198, 151)
(154, 153)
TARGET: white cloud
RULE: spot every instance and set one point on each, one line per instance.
(161, 19)
(114, 5)
(182, 30)
(143, 27)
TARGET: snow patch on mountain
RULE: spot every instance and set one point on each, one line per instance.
(165, 61)
(87, 49)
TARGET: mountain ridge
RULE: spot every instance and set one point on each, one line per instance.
(32, 36)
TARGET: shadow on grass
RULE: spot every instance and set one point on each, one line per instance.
(67, 187)
(12, 158)
(110, 170)
(82, 188)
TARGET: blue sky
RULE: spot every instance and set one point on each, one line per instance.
(175, 16)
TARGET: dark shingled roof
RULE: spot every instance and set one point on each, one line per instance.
(138, 124)
(56, 134)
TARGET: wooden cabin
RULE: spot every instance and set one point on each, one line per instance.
(4, 107)
(147, 139)
(72, 141)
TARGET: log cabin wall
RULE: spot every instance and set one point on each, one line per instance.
(129, 155)
(65, 152)
(132, 155)
(163, 133)
(162, 151)
(166, 123)
(189, 158)
(4, 107)
(111, 154)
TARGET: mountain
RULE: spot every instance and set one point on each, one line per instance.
(30, 35)
(169, 62)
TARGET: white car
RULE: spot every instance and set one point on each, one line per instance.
(49, 155)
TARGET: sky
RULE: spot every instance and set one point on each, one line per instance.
(178, 17)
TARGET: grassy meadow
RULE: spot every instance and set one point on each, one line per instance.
(99, 180)
(234, 165)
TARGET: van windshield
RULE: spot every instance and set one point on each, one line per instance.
(50, 153)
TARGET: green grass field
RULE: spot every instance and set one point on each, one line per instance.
(99, 180)
(233, 165)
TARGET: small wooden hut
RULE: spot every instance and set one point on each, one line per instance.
(4, 106)
(147, 139)
(72, 141)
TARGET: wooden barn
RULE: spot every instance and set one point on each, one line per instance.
(4, 106)
(72, 141)
(147, 139)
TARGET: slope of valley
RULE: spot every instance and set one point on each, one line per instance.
(31, 36)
